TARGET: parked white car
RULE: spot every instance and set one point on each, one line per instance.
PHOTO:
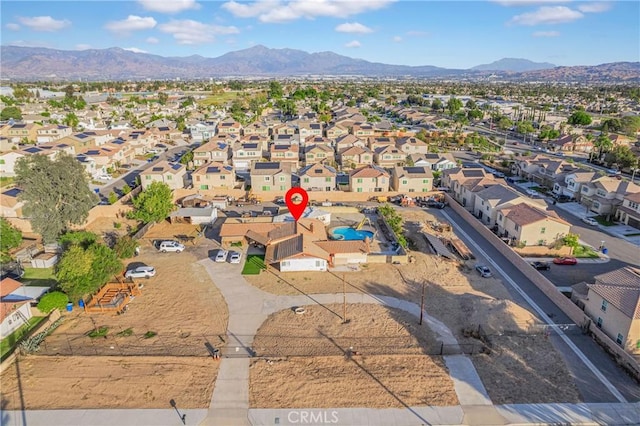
(173, 246)
(235, 257)
(484, 271)
(103, 177)
(221, 256)
(590, 221)
(141, 272)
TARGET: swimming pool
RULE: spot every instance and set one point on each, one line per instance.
(350, 234)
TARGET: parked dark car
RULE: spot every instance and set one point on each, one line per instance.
(541, 266)
(435, 204)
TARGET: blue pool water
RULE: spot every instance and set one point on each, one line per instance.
(350, 234)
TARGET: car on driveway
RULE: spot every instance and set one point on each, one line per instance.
(234, 257)
(484, 271)
(565, 261)
(541, 266)
(170, 245)
(221, 256)
(141, 272)
(590, 221)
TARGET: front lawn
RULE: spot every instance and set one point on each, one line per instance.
(585, 252)
(9, 342)
(41, 277)
(253, 265)
(602, 220)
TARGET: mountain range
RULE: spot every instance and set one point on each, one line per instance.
(31, 63)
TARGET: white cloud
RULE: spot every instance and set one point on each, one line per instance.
(44, 23)
(169, 6)
(275, 11)
(30, 43)
(132, 23)
(353, 27)
(134, 50)
(187, 31)
(547, 15)
(152, 40)
(397, 39)
(83, 46)
(527, 2)
(594, 7)
(354, 43)
(12, 26)
(546, 34)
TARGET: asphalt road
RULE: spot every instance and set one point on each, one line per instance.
(590, 387)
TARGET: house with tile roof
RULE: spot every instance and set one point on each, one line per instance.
(297, 254)
(347, 141)
(613, 303)
(285, 154)
(465, 183)
(412, 179)
(317, 177)
(389, 156)
(334, 131)
(13, 313)
(412, 145)
(491, 200)
(318, 154)
(288, 129)
(362, 130)
(526, 225)
(52, 132)
(229, 126)
(212, 151)
(245, 154)
(20, 132)
(257, 128)
(380, 142)
(572, 183)
(435, 161)
(172, 174)
(10, 205)
(369, 179)
(316, 140)
(629, 212)
(270, 176)
(605, 194)
(214, 176)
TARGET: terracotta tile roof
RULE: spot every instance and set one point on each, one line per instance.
(620, 288)
(314, 228)
(368, 172)
(496, 195)
(299, 246)
(333, 247)
(355, 150)
(8, 286)
(317, 170)
(6, 308)
(635, 197)
(523, 214)
(241, 229)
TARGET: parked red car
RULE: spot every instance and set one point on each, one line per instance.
(565, 261)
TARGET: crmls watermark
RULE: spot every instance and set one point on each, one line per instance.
(312, 417)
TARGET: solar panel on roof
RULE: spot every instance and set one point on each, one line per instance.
(158, 169)
(414, 169)
(250, 145)
(163, 129)
(93, 152)
(317, 171)
(266, 166)
(13, 192)
(32, 150)
(176, 166)
(213, 169)
(18, 126)
(81, 136)
(473, 172)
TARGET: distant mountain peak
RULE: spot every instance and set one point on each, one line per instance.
(514, 65)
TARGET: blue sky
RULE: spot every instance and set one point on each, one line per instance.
(452, 34)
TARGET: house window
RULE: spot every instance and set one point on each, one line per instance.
(500, 216)
(1, 161)
(604, 305)
(358, 180)
(585, 189)
(425, 180)
(359, 190)
(282, 179)
(169, 177)
(404, 182)
(327, 179)
(204, 187)
(147, 177)
(543, 230)
(487, 208)
(596, 205)
(318, 263)
(620, 339)
(599, 322)
(266, 188)
(223, 177)
(633, 205)
(517, 227)
(282, 187)
(306, 180)
(267, 178)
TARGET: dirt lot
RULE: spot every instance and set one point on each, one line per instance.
(347, 365)
(456, 295)
(180, 304)
(108, 382)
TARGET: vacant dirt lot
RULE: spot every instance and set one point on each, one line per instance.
(108, 382)
(180, 304)
(521, 369)
(374, 360)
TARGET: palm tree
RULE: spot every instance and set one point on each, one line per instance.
(603, 143)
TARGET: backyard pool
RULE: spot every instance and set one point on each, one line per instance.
(350, 234)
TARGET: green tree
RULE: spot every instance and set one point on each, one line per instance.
(10, 238)
(622, 156)
(126, 189)
(11, 112)
(71, 120)
(454, 105)
(187, 157)
(153, 204)
(112, 198)
(56, 193)
(579, 118)
(524, 128)
(475, 114)
(163, 98)
(77, 238)
(275, 90)
(436, 105)
(548, 133)
(125, 247)
(471, 104)
(53, 300)
(603, 143)
(571, 240)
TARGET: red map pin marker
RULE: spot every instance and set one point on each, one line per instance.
(296, 209)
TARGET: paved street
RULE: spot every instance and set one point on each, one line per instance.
(589, 385)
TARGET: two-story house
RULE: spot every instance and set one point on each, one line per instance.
(605, 194)
(172, 174)
(465, 183)
(285, 153)
(412, 179)
(270, 176)
(288, 129)
(380, 142)
(435, 161)
(613, 302)
(490, 200)
(258, 129)
(214, 176)
(572, 184)
(334, 131)
(307, 128)
(369, 179)
(229, 126)
(526, 225)
(202, 131)
(389, 156)
(317, 140)
(262, 141)
(347, 141)
(318, 154)
(21, 132)
(629, 211)
(363, 130)
(52, 133)
(412, 145)
(317, 177)
(245, 154)
(212, 151)
(355, 156)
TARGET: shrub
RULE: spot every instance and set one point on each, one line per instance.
(125, 247)
(53, 300)
(126, 189)
(150, 334)
(126, 333)
(99, 332)
(113, 198)
(117, 225)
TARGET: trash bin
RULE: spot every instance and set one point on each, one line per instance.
(81, 303)
(605, 250)
(69, 307)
